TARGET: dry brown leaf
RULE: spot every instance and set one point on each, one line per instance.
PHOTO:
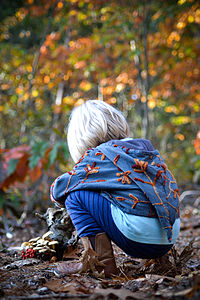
(118, 294)
(73, 287)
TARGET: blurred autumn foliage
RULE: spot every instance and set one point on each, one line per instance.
(141, 56)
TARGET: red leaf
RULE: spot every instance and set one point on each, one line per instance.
(21, 153)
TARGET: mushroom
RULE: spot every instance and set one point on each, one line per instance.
(34, 239)
(42, 242)
(52, 244)
(47, 235)
(25, 245)
(38, 248)
(43, 250)
(42, 245)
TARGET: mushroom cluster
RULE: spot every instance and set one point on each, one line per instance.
(42, 245)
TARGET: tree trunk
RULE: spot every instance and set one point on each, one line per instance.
(23, 131)
(146, 68)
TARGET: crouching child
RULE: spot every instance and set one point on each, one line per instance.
(119, 190)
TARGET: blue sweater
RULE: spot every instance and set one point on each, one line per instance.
(129, 174)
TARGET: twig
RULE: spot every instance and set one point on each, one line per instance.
(189, 193)
(123, 273)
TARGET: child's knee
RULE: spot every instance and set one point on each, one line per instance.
(73, 201)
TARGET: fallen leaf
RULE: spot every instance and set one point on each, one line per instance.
(58, 285)
(185, 255)
(71, 253)
(158, 277)
(136, 284)
(21, 263)
(118, 294)
(73, 287)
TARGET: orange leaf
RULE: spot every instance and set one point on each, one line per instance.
(36, 172)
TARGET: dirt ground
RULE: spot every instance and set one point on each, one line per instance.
(175, 277)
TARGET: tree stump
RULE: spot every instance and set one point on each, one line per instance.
(60, 224)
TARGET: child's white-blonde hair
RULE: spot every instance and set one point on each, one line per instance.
(93, 123)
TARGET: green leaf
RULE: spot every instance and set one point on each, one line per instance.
(38, 151)
(57, 131)
(65, 150)
(33, 161)
(197, 164)
(12, 165)
(54, 152)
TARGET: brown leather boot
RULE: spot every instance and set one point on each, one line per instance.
(103, 248)
(100, 259)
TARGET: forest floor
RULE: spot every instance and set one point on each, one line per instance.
(178, 277)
